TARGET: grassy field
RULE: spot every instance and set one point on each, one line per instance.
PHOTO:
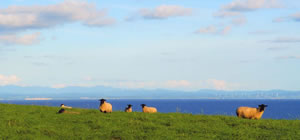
(40, 122)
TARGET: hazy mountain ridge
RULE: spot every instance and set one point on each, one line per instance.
(16, 92)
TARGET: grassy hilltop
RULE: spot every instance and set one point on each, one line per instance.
(40, 122)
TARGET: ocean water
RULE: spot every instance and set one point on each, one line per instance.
(277, 109)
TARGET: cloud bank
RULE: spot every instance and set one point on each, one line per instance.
(162, 12)
(235, 9)
(39, 16)
(8, 80)
(27, 39)
(214, 30)
(16, 19)
(169, 84)
(250, 5)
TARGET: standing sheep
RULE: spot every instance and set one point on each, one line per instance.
(148, 109)
(129, 108)
(104, 106)
(251, 113)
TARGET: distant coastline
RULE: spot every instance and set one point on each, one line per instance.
(71, 93)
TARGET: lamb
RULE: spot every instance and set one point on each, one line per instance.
(251, 113)
(104, 106)
(129, 108)
(63, 106)
(148, 109)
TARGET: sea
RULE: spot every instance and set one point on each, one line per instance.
(277, 108)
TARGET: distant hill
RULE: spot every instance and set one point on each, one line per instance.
(16, 92)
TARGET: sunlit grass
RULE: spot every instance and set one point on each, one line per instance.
(41, 122)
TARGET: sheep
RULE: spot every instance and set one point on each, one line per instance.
(63, 106)
(104, 106)
(148, 109)
(251, 113)
(67, 112)
(129, 108)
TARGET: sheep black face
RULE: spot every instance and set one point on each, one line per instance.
(262, 107)
(143, 105)
(102, 101)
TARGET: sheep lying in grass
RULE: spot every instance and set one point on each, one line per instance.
(251, 113)
(63, 111)
(104, 106)
(63, 106)
(129, 108)
(148, 109)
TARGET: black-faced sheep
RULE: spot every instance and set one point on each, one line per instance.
(251, 113)
(63, 106)
(104, 106)
(148, 109)
(129, 108)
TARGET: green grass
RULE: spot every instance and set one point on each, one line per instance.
(40, 122)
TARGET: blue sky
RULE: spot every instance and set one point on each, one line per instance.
(172, 44)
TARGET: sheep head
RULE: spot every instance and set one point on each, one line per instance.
(102, 101)
(143, 105)
(262, 107)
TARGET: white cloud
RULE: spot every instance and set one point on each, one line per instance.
(225, 14)
(40, 16)
(27, 39)
(214, 30)
(226, 30)
(163, 12)
(60, 86)
(284, 40)
(9, 80)
(250, 5)
(218, 84)
(293, 17)
(236, 8)
(208, 30)
(177, 83)
(222, 85)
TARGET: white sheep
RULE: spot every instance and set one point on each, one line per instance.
(129, 108)
(148, 109)
(63, 106)
(251, 113)
(104, 106)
